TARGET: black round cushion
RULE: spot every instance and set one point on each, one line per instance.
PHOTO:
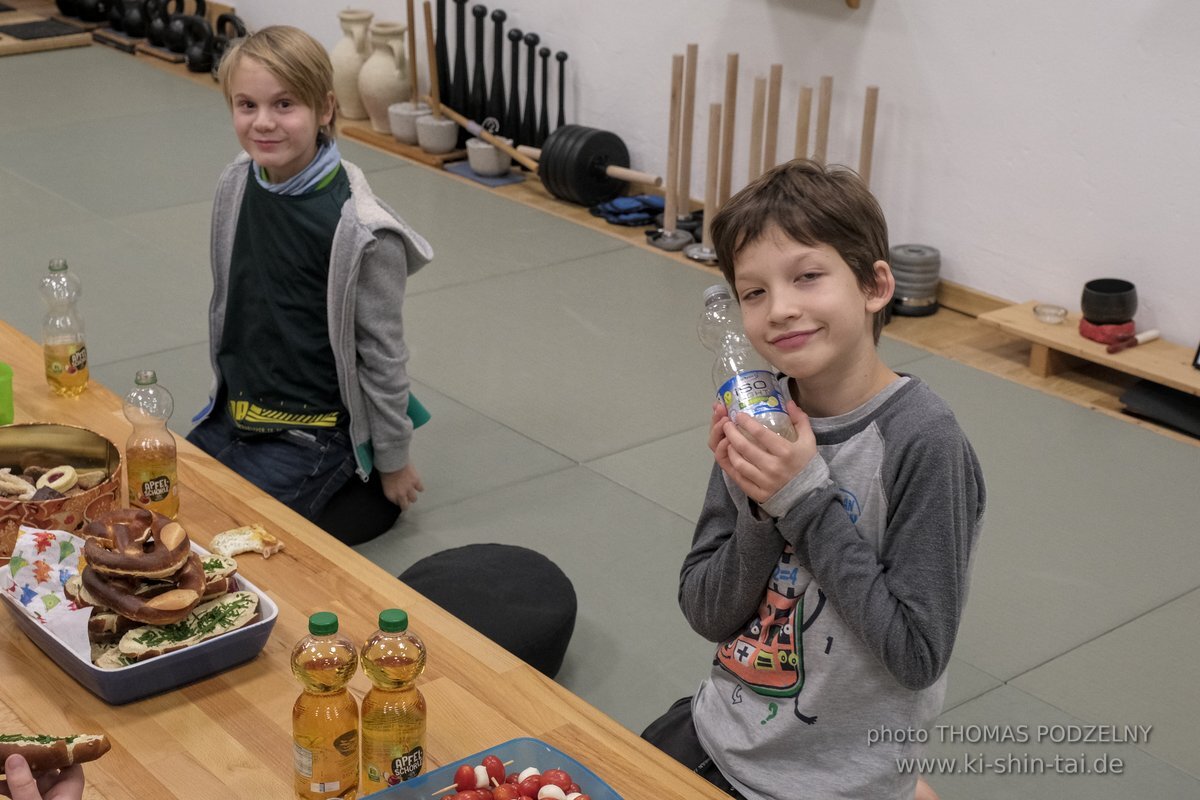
(515, 596)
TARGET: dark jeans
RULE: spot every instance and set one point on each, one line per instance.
(675, 734)
(302, 469)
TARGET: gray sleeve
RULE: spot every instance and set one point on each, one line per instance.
(731, 560)
(906, 602)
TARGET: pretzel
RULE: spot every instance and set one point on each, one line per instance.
(120, 594)
(137, 543)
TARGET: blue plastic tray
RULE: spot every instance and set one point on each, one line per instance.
(523, 753)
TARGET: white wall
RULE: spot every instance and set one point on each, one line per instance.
(1037, 144)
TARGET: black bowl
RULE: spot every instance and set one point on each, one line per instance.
(1109, 301)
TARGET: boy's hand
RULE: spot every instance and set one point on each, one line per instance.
(759, 461)
(401, 486)
(21, 784)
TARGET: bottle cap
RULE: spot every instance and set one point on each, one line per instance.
(323, 623)
(145, 377)
(58, 264)
(393, 620)
(713, 292)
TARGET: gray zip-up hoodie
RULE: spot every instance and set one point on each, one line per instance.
(374, 251)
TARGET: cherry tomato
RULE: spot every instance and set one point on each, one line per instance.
(529, 787)
(495, 768)
(464, 778)
(485, 794)
(514, 778)
(584, 797)
(574, 787)
(506, 791)
(557, 777)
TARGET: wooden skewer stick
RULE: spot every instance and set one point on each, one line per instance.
(824, 101)
(771, 143)
(685, 144)
(415, 93)
(475, 129)
(866, 153)
(434, 101)
(445, 789)
(803, 121)
(710, 175)
(670, 209)
(730, 107)
(756, 128)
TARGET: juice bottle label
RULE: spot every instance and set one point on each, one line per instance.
(66, 367)
(154, 488)
(328, 770)
(753, 392)
(391, 765)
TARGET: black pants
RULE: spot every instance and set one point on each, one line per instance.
(675, 734)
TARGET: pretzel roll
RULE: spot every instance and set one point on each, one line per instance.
(137, 543)
(162, 609)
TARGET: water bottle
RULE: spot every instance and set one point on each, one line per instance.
(745, 382)
(62, 331)
(393, 712)
(325, 715)
(150, 464)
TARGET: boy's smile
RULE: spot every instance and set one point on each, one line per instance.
(804, 311)
(272, 125)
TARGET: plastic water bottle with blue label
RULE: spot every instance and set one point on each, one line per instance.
(745, 381)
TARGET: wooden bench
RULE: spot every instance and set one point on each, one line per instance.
(1055, 348)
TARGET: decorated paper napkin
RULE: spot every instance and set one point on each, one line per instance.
(42, 563)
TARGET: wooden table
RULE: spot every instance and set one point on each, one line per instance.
(230, 735)
(1058, 347)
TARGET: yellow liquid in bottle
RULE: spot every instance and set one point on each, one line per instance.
(325, 722)
(152, 476)
(393, 714)
(66, 368)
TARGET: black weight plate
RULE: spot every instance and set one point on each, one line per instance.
(559, 161)
(596, 151)
(572, 165)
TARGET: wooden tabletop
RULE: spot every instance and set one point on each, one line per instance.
(230, 735)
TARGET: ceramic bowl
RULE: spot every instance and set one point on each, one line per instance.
(43, 444)
(1109, 301)
(436, 135)
(1049, 314)
(488, 160)
(403, 119)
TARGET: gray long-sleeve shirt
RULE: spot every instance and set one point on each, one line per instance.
(836, 603)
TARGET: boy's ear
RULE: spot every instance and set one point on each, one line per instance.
(885, 286)
(326, 115)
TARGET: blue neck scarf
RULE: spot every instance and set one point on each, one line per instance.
(323, 165)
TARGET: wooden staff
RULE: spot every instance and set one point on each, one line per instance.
(434, 99)
(475, 129)
(670, 210)
(710, 176)
(685, 144)
(825, 100)
(731, 72)
(770, 145)
(756, 129)
(803, 121)
(868, 134)
(415, 94)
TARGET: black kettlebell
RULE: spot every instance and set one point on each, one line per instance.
(135, 18)
(176, 36)
(68, 8)
(157, 19)
(222, 37)
(116, 15)
(199, 50)
(92, 10)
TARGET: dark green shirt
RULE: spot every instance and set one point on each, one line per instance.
(275, 354)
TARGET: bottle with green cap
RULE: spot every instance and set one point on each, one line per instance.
(393, 712)
(325, 715)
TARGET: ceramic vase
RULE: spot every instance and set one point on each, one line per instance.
(383, 79)
(347, 57)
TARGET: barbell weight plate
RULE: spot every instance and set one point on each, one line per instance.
(554, 160)
(593, 152)
(572, 167)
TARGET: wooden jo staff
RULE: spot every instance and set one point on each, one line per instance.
(434, 99)
(824, 101)
(730, 106)
(866, 153)
(803, 121)
(415, 94)
(771, 144)
(684, 208)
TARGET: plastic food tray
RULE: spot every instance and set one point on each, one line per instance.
(523, 753)
(161, 673)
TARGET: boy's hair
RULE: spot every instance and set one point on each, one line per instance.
(297, 60)
(811, 204)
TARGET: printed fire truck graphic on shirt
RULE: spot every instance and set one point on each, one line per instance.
(767, 655)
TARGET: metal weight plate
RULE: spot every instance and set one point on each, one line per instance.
(572, 167)
(592, 152)
(550, 164)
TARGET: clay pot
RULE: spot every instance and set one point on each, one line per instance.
(383, 79)
(347, 57)
(437, 135)
(488, 160)
(403, 119)
(1109, 301)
